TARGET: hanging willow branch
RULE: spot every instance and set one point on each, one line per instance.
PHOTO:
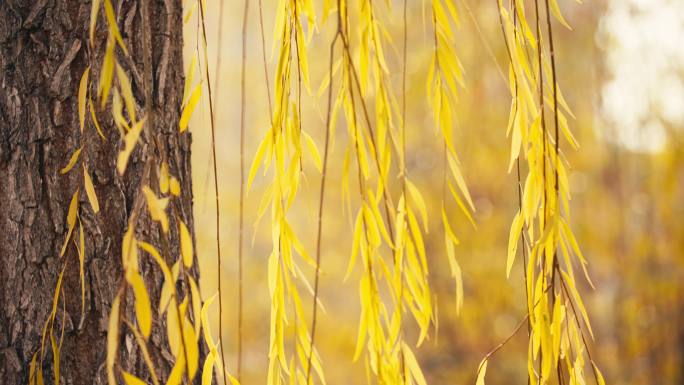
(554, 342)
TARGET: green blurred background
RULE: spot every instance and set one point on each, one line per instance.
(621, 69)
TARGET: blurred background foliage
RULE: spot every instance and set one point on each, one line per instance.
(621, 69)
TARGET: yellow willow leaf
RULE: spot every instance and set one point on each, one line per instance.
(441, 18)
(157, 208)
(196, 304)
(81, 264)
(362, 156)
(157, 258)
(460, 182)
(516, 142)
(311, 145)
(191, 348)
(363, 328)
(176, 375)
(94, 12)
(516, 230)
(258, 157)
(164, 178)
(563, 123)
(146, 354)
(556, 319)
(55, 357)
(460, 204)
(599, 375)
(126, 92)
(173, 330)
(117, 113)
(372, 231)
(417, 238)
(555, 9)
(189, 108)
(266, 200)
(113, 27)
(530, 197)
(130, 140)
(482, 370)
(72, 161)
(32, 370)
(412, 365)
(185, 243)
(90, 190)
(381, 224)
(205, 320)
(455, 273)
(326, 79)
(563, 103)
(95, 121)
(106, 74)
(297, 244)
(578, 301)
(73, 210)
(189, 13)
(302, 56)
(567, 232)
(168, 288)
(131, 379)
(129, 253)
(279, 24)
(208, 369)
(113, 338)
(71, 220)
(143, 309)
(447, 228)
(55, 297)
(418, 199)
(82, 92)
(453, 12)
(174, 186)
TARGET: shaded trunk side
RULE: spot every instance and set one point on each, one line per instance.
(43, 52)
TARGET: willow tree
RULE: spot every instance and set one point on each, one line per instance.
(96, 176)
(67, 206)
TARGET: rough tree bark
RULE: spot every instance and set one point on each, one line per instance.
(44, 49)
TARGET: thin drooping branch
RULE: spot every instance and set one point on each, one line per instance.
(263, 58)
(517, 160)
(545, 201)
(320, 208)
(242, 186)
(554, 84)
(555, 96)
(484, 41)
(507, 339)
(400, 267)
(216, 191)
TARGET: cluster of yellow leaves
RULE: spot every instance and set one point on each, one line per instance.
(282, 147)
(380, 331)
(381, 230)
(557, 316)
(184, 318)
(445, 74)
(122, 93)
(36, 365)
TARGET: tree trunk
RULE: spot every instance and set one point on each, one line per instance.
(44, 49)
